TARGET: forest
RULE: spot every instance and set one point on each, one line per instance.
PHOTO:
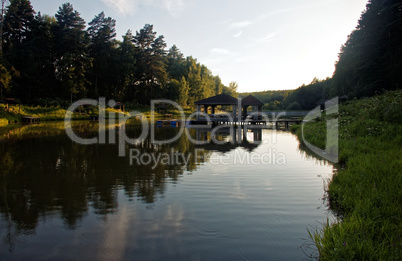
(273, 100)
(370, 62)
(364, 192)
(54, 60)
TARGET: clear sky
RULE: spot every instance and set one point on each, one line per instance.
(260, 44)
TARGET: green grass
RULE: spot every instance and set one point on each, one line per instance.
(52, 113)
(367, 192)
(315, 133)
(56, 113)
(14, 114)
(19, 130)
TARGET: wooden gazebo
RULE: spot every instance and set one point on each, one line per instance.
(227, 100)
(218, 100)
(251, 101)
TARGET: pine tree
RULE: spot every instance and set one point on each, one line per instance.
(183, 92)
(2, 12)
(17, 36)
(127, 65)
(41, 57)
(18, 23)
(175, 63)
(194, 80)
(72, 61)
(371, 59)
(102, 34)
(150, 56)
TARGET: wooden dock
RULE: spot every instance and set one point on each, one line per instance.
(173, 123)
(279, 123)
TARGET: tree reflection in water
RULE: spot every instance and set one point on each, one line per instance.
(43, 173)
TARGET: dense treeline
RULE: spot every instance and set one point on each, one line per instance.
(307, 97)
(59, 59)
(370, 61)
(273, 100)
(45, 59)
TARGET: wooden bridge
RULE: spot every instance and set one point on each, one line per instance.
(261, 123)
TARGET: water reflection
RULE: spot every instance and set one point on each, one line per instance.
(53, 175)
(44, 176)
(227, 139)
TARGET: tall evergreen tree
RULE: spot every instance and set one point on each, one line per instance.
(102, 34)
(17, 36)
(41, 58)
(18, 23)
(218, 85)
(72, 61)
(2, 13)
(194, 80)
(150, 57)
(208, 82)
(54, 57)
(183, 92)
(175, 63)
(371, 59)
(5, 77)
(127, 64)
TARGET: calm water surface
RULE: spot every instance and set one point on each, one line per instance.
(253, 200)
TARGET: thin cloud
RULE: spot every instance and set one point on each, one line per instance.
(253, 42)
(234, 26)
(266, 39)
(273, 13)
(238, 34)
(174, 7)
(130, 7)
(123, 7)
(247, 58)
(219, 51)
(240, 25)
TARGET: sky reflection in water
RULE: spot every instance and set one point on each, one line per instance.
(61, 200)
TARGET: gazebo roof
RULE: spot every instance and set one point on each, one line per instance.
(251, 101)
(221, 99)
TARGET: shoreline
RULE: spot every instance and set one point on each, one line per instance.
(365, 194)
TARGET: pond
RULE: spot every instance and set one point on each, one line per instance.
(251, 195)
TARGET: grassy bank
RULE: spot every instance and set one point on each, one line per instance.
(367, 192)
(15, 114)
(56, 113)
